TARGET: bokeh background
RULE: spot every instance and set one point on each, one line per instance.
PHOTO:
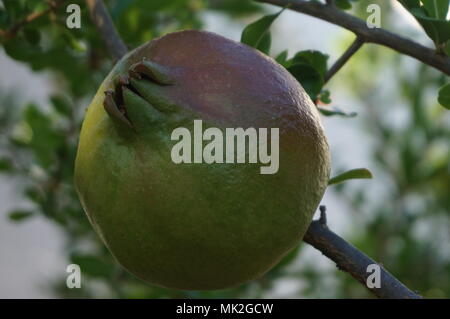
(401, 218)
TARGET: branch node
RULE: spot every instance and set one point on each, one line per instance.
(323, 215)
(352, 49)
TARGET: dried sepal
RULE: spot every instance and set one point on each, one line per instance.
(156, 72)
(113, 110)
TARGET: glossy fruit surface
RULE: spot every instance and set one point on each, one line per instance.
(198, 226)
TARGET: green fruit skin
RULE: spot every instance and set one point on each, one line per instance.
(203, 226)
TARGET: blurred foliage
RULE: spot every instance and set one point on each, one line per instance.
(444, 96)
(403, 219)
(406, 227)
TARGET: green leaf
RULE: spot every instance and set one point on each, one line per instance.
(438, 30)
(4, 19)
(15, 9)
(92, 265)
(343, 4)
(309, 78)
(447, 48)
(324, 96)
(34, 195)
(336, 111)
(19, 215)
(309, 68)
(265, 43)
(356, 173)
(32, 36)
(431, 18)
(257, 33)
(5, 165)
(45, 140)
(408, 4)
(21, 50)
(234, 7)
(61, 104)
(282, 57)
(73, 42)
(436, 8)
(444, 96)
(316, 59)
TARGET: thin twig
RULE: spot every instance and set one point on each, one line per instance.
(380, 36)
(11, 32)
(353, 48)
(349, 259)
(108, 32)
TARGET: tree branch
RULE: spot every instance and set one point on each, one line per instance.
(332, 14)
(108, 32)
(354, 47)
(351, 260)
